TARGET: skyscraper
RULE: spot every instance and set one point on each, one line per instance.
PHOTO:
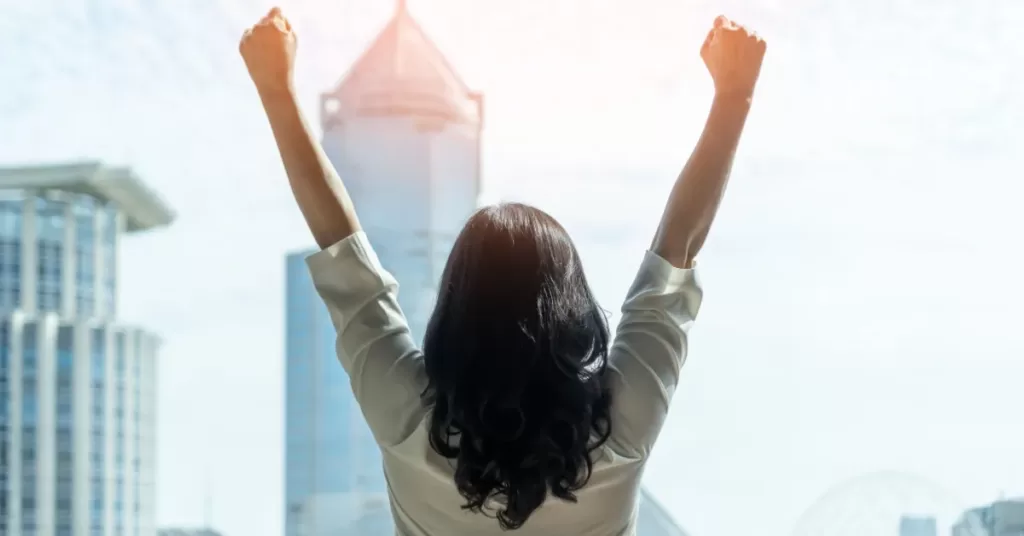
(77, 388)
(404, 130)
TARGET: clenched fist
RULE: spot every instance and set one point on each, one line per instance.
(268, 49)
(733, 54)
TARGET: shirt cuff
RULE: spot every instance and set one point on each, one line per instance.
(663, 271)
(355, 247)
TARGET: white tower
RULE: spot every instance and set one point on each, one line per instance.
(403, 130)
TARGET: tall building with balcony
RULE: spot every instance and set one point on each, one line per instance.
(77, 387)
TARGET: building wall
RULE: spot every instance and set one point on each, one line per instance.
(416, 184)
(58, 253)
(77, 389)
(78, 437)
(331, 460)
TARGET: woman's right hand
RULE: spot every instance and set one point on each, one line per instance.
(733, 55)
(268, 49)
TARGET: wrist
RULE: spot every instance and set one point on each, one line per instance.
(275, 92)
(734, 96)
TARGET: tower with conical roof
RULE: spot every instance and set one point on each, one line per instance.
(404, 130)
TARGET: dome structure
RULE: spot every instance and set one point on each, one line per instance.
(874, 505)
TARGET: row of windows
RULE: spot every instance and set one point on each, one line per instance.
(64, 434)
(98, 346)
(50, 229)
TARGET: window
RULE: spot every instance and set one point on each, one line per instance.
(28, 351)
(10, 272)
(85, 255)
(98, 347)
(50, 251)
(110, 262)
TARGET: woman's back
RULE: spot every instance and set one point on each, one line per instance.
(425, 503)
(390, 377)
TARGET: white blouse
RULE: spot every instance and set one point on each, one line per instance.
(386, 370)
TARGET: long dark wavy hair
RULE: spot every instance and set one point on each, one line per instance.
(515, 354)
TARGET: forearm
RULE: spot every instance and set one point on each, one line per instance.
(698, 191)
(321, 196)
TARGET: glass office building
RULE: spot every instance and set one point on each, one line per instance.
(77, 388)
(401, 97)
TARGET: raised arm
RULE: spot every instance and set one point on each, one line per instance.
(269, 52)
(374, 344)
(652, 340)
(733, 55)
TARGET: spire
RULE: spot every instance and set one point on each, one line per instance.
(402, 72)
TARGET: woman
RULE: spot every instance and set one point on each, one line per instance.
(519, 412)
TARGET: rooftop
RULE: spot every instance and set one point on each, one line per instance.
(142, 208)
(402, 71)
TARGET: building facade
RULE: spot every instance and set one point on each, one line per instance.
(77, 388)
(404, 130)
(919, 526)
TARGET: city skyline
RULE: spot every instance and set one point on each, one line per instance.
(861, 288)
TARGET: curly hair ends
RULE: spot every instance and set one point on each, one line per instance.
(515, 356)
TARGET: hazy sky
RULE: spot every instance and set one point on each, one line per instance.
(863, 293)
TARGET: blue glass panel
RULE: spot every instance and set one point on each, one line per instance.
(85, 255)
(110, 261)
(98, 347)
(50, 218)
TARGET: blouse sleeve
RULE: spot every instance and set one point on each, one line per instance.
(649, 350)
(374, 345)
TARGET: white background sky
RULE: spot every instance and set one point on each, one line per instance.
(862, 284)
